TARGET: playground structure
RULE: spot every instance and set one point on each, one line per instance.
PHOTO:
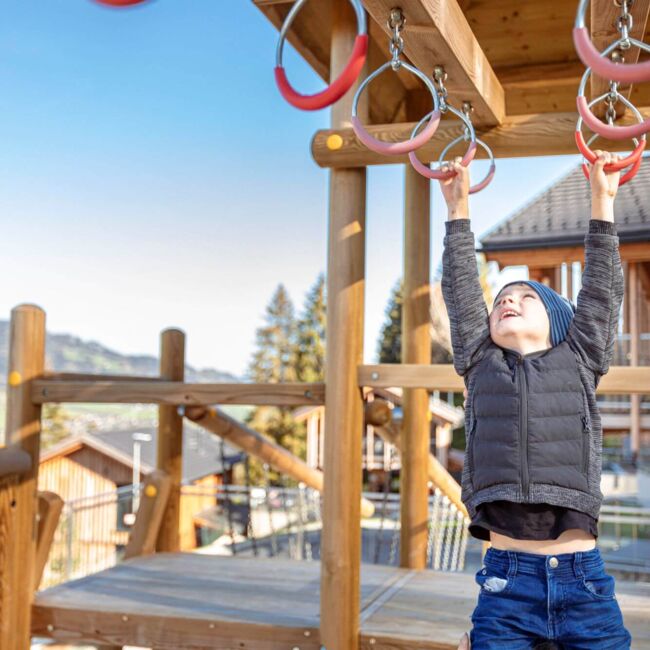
(514, 62)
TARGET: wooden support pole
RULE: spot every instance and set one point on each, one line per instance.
(50, 506)
(23, 431)
(143, 536)
(170, 439)
(341, 534)
(635, 398)
(416, 348)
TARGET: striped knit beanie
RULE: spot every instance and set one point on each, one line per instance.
(560, 310)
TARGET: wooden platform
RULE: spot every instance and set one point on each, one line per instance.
(184, 600)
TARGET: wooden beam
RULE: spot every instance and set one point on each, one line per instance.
(341, 532)
(14, 462)
(169, 457)
(437, 33)
(544, 257)
(604, 14)
(23, 431)
(416, 348)
(254, 443)
(175, 393)
(50, 506)
(149, 518)
(542, 134)
(620, 380)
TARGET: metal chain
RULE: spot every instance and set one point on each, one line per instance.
(440, 76)
(624, 23)
(610, 101)
(396, 23)
(467, 109)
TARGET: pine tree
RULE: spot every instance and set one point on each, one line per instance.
(390, 341)
(310, 344)
(274, 361)
(55, 425)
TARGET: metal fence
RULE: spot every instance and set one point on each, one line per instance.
(269, 522)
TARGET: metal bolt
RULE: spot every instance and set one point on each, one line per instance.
(50, 628)
(372, 641)
(125, 619)
(308, 394)
(212, 626)
(374, 376)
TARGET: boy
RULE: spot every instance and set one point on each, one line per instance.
(531, 477)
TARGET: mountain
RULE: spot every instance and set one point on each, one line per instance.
(66, 353)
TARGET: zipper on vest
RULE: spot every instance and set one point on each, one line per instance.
(523, 428)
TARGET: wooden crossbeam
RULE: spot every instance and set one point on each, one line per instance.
(437, 33)
(175, 393)
(542, 134)
(603, 31)
(620, 380)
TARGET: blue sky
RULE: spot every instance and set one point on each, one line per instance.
(152, 176)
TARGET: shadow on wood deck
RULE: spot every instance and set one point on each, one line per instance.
(184, 600)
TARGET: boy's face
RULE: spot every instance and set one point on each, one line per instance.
(519, 320)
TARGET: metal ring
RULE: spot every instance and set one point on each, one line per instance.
(490, 174)
(425, 170)
(395, 148)
(342, 83)
(632, 159)
(606, 130)
(592, 58)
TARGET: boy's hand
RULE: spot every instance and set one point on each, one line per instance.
(604, 186)
(455, 190)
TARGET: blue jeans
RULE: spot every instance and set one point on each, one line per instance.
(567, 598)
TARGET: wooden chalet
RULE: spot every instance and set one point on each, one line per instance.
(89, 465)
(547, 236)
(514, 61)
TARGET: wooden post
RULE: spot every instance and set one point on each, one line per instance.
(635, 398)
(170, 439)
(341, 534)
(23, 431)
(416, 348)
(569, 280)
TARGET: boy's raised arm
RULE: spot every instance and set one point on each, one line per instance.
(461, 287)
(595, 325)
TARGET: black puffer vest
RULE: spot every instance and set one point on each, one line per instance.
(529, 422)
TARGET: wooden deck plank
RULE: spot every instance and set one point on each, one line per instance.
(186, 600)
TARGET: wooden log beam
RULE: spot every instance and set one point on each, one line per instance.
(604, 14)
(169, 456)
(50, 506)
(254, 443)
(14, 462)
(175, 392)
(437, 33)
(620, 380)
(541, 134)
(416, 348)
(23, 431)
(149, 518)
(340, 574)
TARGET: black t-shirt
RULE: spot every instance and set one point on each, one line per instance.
(539, 521)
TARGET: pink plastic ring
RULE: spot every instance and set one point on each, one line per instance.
(602, 66)
(335, 90)
(611, 167)
(414, 142)
(609, 131)
(485, 182)
(437, 174)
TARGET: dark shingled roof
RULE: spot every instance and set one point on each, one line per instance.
(559, 215)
